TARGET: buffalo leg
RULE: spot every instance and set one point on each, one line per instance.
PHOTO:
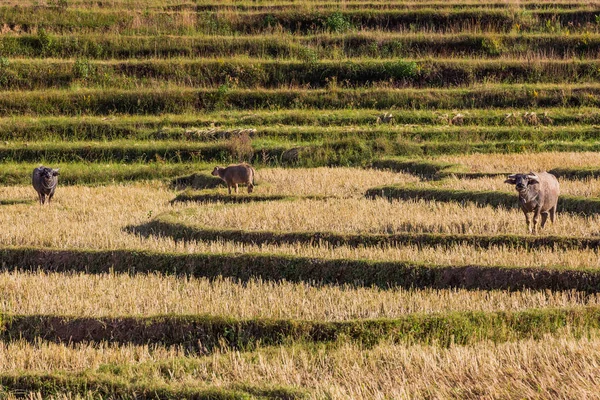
(553, 214)
(536, 216)
(250, 188)
(236, 187)
(527, 221)
(229, 188)
(544, 218)
(41, 196)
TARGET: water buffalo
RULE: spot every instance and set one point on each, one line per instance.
(538, 193)
(44, 181)
(236, 174)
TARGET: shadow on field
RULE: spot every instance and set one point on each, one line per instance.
(203, 197)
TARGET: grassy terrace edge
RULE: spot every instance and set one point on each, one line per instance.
(180, 100)
(167, 225)
(305, 48)
(569, 204)
(251, 73)
(65, 20)
(205, 333)
(384, 274)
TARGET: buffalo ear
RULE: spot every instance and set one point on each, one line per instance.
(55, 172)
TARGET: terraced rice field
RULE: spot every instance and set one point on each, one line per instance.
(381, 254)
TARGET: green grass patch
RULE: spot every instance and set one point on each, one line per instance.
(570, 204)
(274, 267)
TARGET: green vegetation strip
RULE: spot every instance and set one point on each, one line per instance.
(251, 73)
(64, 20)
(569, 204)
(167, 225)
(572, 124)
(539, 130)
(119, 151)
(158, 101)
(305, 48)
(206, 333)
(112, 386)
(383, 274)
(350, 151)
(81, 173)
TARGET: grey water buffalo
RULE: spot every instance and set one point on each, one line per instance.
(538, 193)
(44, 181)
(236, 174)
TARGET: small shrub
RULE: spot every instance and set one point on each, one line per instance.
(492, 46)
(44, 41)
(402, 69)
(307, 55)
(83, 69)
(336, 22)
(5, 74)
(270, 21)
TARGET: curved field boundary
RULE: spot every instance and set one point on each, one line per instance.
(204, 333)
(165, 226)
(383, 274)
(438, 170)
(431, 169)
(569, 204)
(112, 386)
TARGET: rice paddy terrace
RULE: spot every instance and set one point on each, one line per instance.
(381, 254)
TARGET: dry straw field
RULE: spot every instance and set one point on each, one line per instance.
(381, 255)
